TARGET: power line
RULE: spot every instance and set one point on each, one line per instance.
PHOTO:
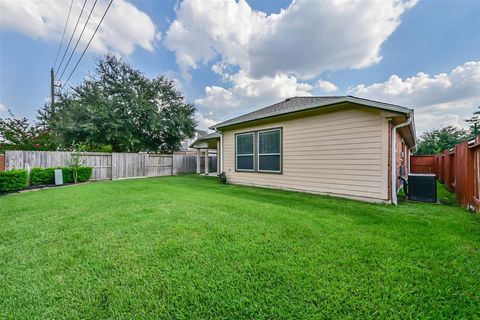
(78, 41)
(71, 37)
(63, 34)
(88, 44)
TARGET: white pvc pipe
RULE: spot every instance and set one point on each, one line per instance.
(220, 156)
(394, 158)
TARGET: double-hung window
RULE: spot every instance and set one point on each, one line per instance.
(245, 151)
(269, 150)
(259, 151)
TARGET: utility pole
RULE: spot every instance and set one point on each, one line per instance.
(52, 88)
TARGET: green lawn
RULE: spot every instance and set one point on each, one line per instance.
(446, 197)
(189, 247)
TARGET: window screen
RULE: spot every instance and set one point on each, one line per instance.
(269, 150)
(244, 151)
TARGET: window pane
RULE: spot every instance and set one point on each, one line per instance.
(245, 162)
(270, 163)
(269, 142)
(245, 144)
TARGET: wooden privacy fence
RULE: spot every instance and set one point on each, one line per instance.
(107, 166)
(423, 164)
(459, 170)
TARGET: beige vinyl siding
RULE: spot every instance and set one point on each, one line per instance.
(342, 152)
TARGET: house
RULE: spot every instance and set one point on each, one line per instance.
(185, 144)
(339, 145)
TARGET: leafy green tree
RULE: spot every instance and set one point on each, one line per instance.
(119, 106)
(23, 134)
(437, 140)
(474, 122)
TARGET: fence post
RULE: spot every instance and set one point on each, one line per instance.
(146, 164)
(114, 165)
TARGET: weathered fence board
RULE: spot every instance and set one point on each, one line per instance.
(107, 166)
(184, 162)
(160, 165)
(101, 164)
(423, 164)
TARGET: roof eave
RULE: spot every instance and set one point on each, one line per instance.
(351, 99)
(207, 137)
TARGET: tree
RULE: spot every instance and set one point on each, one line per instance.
(437, 140)
(119, 106)
(22, 134)
(474, 122)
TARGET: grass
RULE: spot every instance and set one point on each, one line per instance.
(189, 247)
(446, 197)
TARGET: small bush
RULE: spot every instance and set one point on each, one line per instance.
(83, 174)
(67, 173)
(13, 180)
(41, 176)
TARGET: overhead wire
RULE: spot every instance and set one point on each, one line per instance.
(63, 34)
(88, 44)
(78, 41)
(71, 37)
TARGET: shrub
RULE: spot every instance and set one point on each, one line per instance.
(67, 173)
(13, 180)
(39, 176)
(83, 174)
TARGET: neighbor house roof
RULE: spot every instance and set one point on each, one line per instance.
(210, 136)
(201, 133)
(296, 104)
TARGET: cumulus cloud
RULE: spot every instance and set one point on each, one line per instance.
(2, 108)
(204, 121)
(264, 58)
(247, 93)
(438, 100)
(124, 27)
(326, 86)
(334, 35)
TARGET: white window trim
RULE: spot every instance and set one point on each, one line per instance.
(246, 154)
(269, 154)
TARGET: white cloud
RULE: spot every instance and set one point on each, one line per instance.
(204, 121)
(265, 58)
(438, 100)
(334, 35)
(124, 27)
(426, 121)
(326, 86)
(2, 107)
(247, 93)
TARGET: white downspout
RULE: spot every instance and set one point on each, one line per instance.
(394, 159)
(220, 151)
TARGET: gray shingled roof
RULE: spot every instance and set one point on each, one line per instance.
(213, 135)
(209, 136)
(296, 104)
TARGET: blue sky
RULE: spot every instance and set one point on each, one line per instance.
(230, 57)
